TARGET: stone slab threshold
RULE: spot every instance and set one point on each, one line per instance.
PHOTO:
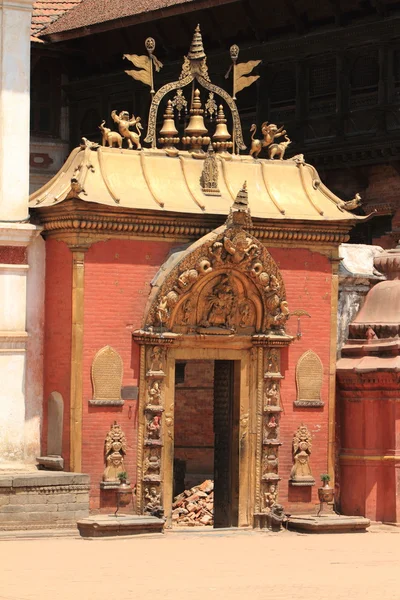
(119, 525)
(331, 523)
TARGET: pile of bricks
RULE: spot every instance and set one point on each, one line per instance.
(194, 507)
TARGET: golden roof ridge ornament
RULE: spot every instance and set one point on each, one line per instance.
(239, 214)
(194, 68)
(196, 50)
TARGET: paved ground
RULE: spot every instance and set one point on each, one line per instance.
(210, 565)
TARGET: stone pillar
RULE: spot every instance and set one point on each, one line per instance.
(19, 420)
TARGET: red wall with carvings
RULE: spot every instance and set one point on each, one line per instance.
(117, 284)
(307, 277)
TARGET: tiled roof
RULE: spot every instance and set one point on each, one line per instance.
(45, 12)
(92, 12)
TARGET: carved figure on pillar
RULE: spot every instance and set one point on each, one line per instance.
(272, 395)
(152, 465)
(301, 471)
(156, 360)
(270, 430)
(154, 428)
(270, 497)
(153, 505)
(155, 394)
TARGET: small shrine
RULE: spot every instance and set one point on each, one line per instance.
(369, 395)
(189, 261)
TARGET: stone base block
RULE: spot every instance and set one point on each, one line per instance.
(111, 525)
(43, 500)
(330, 523)
(50, 463)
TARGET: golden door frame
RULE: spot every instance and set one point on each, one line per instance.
(223, 298)
(259, 358)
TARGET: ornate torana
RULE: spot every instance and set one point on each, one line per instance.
(226, 282)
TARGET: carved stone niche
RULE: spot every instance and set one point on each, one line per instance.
(107, 373)
(115, 448)
(309, 375)
(300, 474)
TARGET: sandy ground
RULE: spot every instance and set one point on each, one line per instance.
(207, 565)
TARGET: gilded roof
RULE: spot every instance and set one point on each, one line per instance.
(151, 180)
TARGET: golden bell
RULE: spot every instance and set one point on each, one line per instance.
(168, 129)
(221, 132)
(196, 124)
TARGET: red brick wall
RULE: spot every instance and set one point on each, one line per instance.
(57, 337)
(117, 284)
(193, 424)
(307, 278)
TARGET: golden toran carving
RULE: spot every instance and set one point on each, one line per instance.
(227, 284)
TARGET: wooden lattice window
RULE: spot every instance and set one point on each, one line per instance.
(309, 376)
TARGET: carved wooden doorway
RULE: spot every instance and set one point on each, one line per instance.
(221, 299)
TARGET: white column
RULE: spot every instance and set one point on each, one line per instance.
(15, 24)
(20, 360)
(21, 347)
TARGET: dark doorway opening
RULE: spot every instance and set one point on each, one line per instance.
(206, 444)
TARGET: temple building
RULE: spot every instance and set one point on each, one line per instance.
(200, 304)
(191, 299)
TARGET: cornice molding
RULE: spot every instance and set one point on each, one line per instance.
(79, 223)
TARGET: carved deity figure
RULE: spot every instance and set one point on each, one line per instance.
(270, 463)
(153, 498)
(114, 450)
(240, 247)
(270, 430)
(186, 311)
(301, 471)
(187, 279)
(273, 361)
(245, 314)
(221, 302)
(152, 464)
(154, 428)
(272, 394)
(155, 393)
(270, 497)
(216, 252)
(156, 359)
(124, 123)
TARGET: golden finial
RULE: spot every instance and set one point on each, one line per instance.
(169, 132)
(242, 199)
(221, 135)
(196, 130)
(196, 50)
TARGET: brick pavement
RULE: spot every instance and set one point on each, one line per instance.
(209, 565)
